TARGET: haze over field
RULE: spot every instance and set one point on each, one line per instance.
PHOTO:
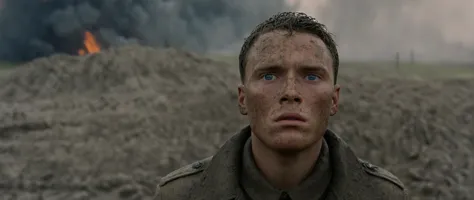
(365, 29)
(376, 29)
(109, 124)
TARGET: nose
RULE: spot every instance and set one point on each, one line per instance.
(290, 93)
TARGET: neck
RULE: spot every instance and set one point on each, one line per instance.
(284, 171)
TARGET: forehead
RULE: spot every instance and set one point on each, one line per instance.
(282, 48)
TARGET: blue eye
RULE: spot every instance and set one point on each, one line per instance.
(269, 77)
(312, 77)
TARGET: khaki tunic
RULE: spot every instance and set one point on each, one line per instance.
(256, 187)
(217, 177)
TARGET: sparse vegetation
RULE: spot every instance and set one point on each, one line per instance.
(95, 126)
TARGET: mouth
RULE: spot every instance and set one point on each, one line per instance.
(291, 117)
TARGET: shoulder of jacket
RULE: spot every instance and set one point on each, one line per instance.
(382, 173)
(186, 171)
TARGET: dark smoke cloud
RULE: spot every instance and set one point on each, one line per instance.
(36, 28)
(435, 30)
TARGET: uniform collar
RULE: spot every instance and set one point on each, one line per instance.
(257, 187)
(220, 181)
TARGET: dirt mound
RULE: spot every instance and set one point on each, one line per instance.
(123, 70)
(106, 126)
(423, 132)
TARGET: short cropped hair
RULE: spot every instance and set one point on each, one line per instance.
(292, 22)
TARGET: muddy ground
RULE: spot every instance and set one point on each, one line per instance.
(107, 126)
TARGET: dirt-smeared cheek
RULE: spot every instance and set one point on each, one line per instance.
(319, 102)
(261, 103)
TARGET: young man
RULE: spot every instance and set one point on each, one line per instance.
(288, 66)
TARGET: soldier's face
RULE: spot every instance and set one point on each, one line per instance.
(288, 91)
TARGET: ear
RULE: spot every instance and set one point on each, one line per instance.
(242, 98)
(335, 100)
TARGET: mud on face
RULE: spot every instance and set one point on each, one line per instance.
(289, 74)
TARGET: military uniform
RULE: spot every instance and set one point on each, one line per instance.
(255, 186)
(219, 177)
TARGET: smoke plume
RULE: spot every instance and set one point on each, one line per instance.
(36, 28)
(433, 30)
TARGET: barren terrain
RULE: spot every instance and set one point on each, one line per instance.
(108, 125)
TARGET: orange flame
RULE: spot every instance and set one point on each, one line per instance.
(90, 43)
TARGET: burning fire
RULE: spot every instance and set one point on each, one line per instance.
(90, 43)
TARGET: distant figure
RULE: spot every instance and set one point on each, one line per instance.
(288, 67)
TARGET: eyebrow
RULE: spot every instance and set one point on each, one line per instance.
(267, 68)
(318, 68)
(276, 68)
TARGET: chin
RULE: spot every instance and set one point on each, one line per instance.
(289, 141)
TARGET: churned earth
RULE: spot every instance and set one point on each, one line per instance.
(106, 126)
